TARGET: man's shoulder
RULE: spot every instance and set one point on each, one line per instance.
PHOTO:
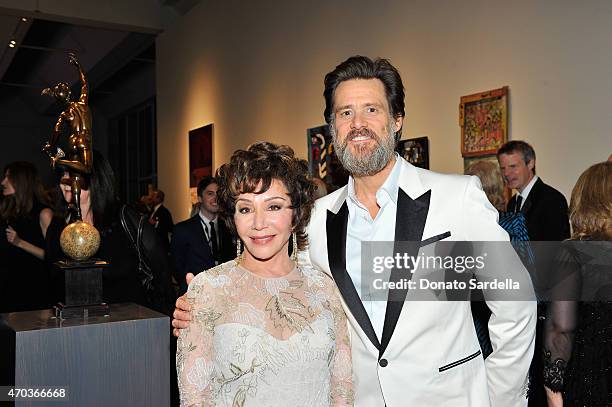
(451, 184)
(329, 201)
(185, 225)
(547, 192)
(434, 176)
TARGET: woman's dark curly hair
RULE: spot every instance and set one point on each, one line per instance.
(263, 162)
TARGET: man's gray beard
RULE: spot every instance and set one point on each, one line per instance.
(365, 164)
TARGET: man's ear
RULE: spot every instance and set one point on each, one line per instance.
(397, 125)
(531, 165)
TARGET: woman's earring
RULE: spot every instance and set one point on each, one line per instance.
(238, 250)
(295, 249)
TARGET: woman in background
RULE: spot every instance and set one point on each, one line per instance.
(100, 207)
(266, 331)
(24, 220)
(578, 335)
(491, 181)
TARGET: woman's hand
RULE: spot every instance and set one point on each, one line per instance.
(14, 239)
(12, 236)
(554, 399)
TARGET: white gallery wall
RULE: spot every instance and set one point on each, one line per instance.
(255, 70)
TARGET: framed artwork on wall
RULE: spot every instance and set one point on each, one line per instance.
(322, 160)
(415, 151)
(200, 157)
(483, 118)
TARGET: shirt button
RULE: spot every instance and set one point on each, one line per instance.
(383, 362)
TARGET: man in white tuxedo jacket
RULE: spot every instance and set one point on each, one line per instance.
(409, 353)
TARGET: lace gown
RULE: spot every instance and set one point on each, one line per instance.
(261, 342)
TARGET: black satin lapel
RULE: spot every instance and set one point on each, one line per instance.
(336, 253)
(409, 225)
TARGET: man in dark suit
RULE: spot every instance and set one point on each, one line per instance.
(202, 241)
(161, 218)
(544, 207)
(546, 217)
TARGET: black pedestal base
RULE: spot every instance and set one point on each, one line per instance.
(83, 290)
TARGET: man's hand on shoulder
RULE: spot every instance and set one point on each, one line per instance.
(181, 317)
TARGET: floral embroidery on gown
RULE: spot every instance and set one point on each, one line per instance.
(257, 341)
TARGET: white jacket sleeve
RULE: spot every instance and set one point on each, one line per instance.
(513, 323)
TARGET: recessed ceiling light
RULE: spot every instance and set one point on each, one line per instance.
(24, 19)
(12, 45)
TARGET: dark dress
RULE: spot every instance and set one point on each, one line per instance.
(23, 277)
(578, 334)
(120, 280)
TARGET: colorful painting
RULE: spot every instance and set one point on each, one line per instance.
(483, 118)
(200, 157)
(415, 151)
(323, 162)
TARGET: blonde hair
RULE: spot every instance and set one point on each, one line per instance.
(591, 204)
(491, 180)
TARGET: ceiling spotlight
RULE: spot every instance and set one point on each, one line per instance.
(11, 45)
(24, 19)
(13, 42)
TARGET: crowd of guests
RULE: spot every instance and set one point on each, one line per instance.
(276, 314)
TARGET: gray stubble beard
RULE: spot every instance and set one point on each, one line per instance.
(364, 164)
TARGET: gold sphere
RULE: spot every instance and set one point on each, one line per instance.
(80, 240)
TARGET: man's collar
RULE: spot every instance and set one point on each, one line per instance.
(205, 219)
(389, 186)
(525, 192)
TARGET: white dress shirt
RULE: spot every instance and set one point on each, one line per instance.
(206, 226)
(525, 192)
(361, 227)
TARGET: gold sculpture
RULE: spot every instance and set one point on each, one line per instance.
(77, 117)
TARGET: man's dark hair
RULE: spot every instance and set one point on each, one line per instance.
(360, 67)
(160, 195)
(205, 182)
(519, 146)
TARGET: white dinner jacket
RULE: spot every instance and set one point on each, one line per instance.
(429, 354)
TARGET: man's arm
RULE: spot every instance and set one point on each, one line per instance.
(512, 323)
(181, 317)
(555, 218)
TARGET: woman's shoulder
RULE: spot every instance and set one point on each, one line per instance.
(215, 277)
(208, 287)
(38, 205)
(316, 277)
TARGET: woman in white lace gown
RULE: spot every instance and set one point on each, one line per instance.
(266, 331)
